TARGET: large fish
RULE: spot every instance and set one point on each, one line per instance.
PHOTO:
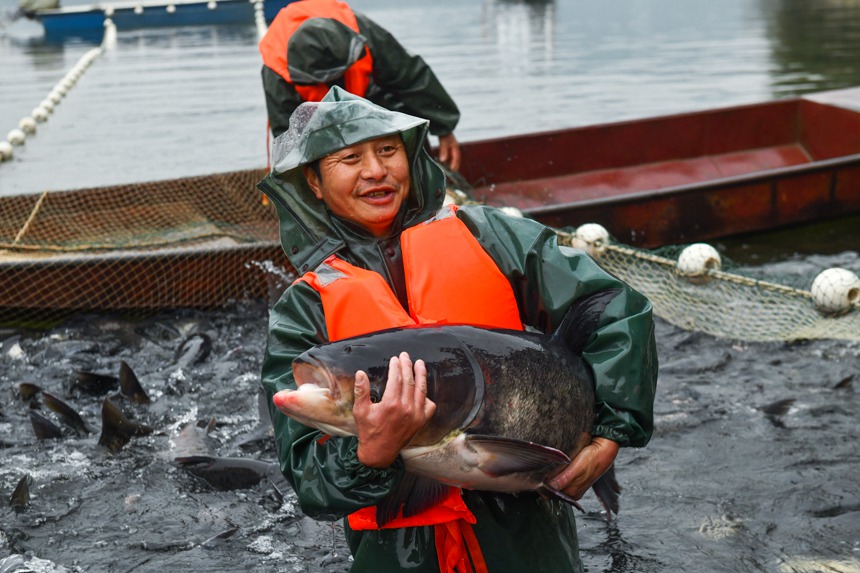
(512, 407)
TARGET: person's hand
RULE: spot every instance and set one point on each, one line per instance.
(449, 151)
(586, 468)
(387, 426)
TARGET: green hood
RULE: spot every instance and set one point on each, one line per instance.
(309, 232)
(321, 50)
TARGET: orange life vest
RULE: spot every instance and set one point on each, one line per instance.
(273, 46)
(450, 279)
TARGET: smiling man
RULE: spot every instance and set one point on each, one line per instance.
(362, 221)
(365, 183)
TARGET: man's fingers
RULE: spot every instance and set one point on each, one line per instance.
(361, 391)
(406, 368)
(454, 162)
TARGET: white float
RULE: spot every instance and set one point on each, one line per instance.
(27, 125)
(16, 137)
(835, 290)
(6, 150)
(697, 259)
(40, 114)
(591, 238)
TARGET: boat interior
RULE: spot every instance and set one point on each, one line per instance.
(625, 158)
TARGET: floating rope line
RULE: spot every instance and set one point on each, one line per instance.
(260, 19)
(40, 114)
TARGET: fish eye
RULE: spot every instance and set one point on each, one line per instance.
(374, 396)
(347, 349)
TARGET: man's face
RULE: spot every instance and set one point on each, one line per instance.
(365, 183)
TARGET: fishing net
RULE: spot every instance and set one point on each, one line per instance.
(194, 242)
(211, 241)
(694, 288)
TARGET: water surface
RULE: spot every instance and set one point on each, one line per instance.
(178, 102)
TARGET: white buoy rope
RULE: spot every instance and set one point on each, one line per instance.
(40, 114)
(260, 19)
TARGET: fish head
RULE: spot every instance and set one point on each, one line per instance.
(318, 401)
(325, 380)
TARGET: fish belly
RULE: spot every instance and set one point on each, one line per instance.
(457, 463)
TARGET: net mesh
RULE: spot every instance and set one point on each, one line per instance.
(736, 305)
(210, 241)
(192, 242)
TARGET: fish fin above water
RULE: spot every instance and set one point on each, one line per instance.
(503, 456)
(778, 408)
(414, 493)
(44, 428)
(608, 491)
(20, 499)
(582, 318)
(67, 414)
(117, 429)
(129, 385)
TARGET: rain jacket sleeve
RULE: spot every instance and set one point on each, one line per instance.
(546, 281)
(324, 471)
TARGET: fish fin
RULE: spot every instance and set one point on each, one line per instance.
(20, 499)
(509, 456)
(44, 428)
(67, 414)
(553, 493)
(608, 491)
(414, 493)
(778, 408)
(582, 317)
(117, 429)
(129, 385)
(426, 492)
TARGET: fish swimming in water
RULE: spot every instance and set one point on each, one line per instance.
(512, 407)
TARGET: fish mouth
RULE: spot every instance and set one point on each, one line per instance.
(310, 375)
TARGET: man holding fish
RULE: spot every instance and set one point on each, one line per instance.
(449, 379)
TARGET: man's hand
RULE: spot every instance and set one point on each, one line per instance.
(449, 151)
(585, 469)
(386, 427)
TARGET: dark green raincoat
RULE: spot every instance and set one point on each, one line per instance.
(400, 80)
(517, 533)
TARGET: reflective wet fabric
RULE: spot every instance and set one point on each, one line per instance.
(519, 533)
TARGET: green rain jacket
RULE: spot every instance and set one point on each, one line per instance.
(517, 533)
(400, 80)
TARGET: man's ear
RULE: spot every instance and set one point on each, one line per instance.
(313, 180)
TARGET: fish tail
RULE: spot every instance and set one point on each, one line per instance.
(608, 491)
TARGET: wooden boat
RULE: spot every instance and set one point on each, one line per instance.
(88, 20)
(203, 241)
(683, 178)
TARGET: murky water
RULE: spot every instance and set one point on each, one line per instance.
(727, 483)
(179, 102)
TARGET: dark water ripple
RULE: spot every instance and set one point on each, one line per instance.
(723, 486)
